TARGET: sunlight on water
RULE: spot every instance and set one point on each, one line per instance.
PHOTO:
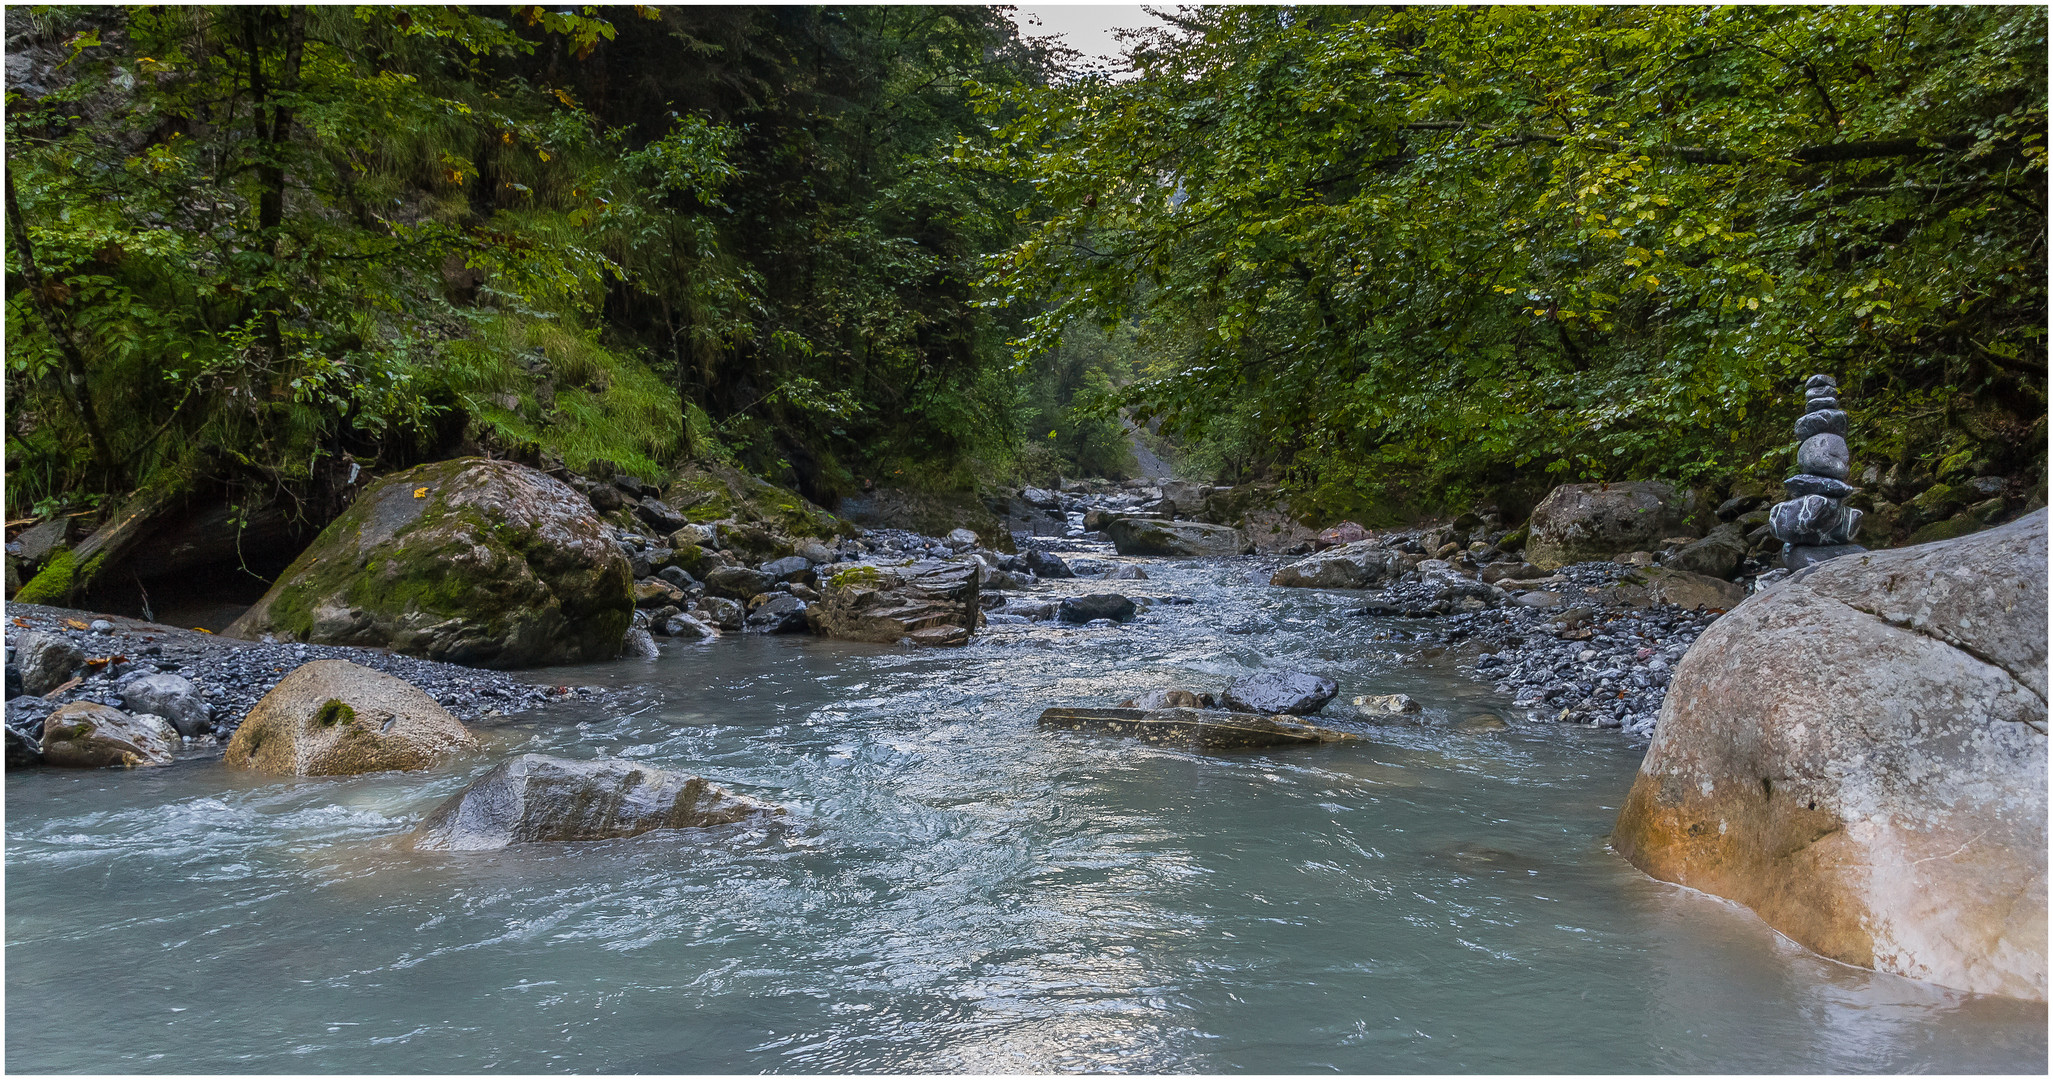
(950, 889)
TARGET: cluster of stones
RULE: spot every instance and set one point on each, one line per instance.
(1815, 524)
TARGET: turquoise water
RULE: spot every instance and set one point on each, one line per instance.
(949, 890)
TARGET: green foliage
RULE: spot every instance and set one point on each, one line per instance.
(1393, 248)
(293, 240)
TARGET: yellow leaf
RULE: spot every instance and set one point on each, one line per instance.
(420, 493)
(543, 154)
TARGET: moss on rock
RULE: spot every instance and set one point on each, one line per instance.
(473, 561)
(709, 492)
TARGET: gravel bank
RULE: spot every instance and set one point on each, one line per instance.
(234, 674)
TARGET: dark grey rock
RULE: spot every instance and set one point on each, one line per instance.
(659, 515)
(677, 576)
(1811, 519)
(1048, 565)
(540, 799)
(606, 498)
(172, 697)
(738, 582)
(1821, 422)
(688, 627)
(1805, 484)
(36, 542)
(724, 613)
(1719, 554)
(1824, 455)
(1083, 609)
(639, 644)
(1297, 692)
(782, 614)
(789, 568)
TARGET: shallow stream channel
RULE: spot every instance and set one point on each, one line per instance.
(949, 888)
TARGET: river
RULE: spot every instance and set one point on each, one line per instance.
(949, 889)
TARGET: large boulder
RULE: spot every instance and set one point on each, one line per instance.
(928, 603)
(716, 492)
(88, 735)
(540, 799)
(1580, 522)
(335, 718)
(1359, 565)
(1859, 755)
(474, 561)
(1147, 536)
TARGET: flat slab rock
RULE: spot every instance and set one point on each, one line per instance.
(536, 798)
(1205, 729)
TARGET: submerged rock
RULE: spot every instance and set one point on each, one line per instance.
(1383, 705)
(1195, 728)
(1167, 699)
(473, 561)
(928, 603)
(1146, 536)
(1297, 692)
(335, 718)
(1083, 609)
(536, 798)
(85, 735)
(1859, 755)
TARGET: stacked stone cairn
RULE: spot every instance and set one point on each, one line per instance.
(1815, 524)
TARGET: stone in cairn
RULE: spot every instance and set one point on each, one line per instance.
(1815, 524)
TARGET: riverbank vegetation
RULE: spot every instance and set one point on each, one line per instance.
(1416, 254)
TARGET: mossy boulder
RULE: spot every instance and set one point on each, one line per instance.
(335, 718)
(708, 492)
(472, 561)
(927, 603)
(88, 735)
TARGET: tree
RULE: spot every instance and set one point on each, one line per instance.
(1462, 243)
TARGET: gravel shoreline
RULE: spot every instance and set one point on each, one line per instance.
(233, 674)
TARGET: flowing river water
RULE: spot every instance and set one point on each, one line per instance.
(949, 889)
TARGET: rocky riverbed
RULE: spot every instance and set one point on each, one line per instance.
(1581, 644)
(231, 675)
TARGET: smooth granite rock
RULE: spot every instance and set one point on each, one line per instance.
(1859, 755)
(1824, 455)
(536, 798)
